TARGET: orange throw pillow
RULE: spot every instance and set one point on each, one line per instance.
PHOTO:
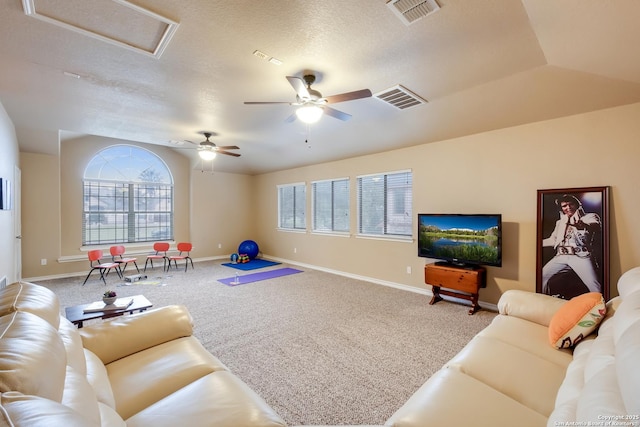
(576, 319)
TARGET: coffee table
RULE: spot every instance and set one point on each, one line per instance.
(77, 316)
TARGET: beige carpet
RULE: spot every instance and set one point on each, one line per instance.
(319, 348)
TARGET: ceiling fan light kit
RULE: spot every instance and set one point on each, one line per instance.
(207, 154)
(309, 113)
(312, 103)
(208, 151)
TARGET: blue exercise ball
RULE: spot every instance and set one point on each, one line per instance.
(249, 247)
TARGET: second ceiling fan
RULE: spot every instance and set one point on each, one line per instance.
(207, 150)
(311, 102)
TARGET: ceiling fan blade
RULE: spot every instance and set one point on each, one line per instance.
(228, 147)
(228, 153)
(299, 87)
(348, 96)
(191, 142)
(267, 102)
(292, 118)
(336, 114)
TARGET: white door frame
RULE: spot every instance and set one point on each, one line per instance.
(17, 222)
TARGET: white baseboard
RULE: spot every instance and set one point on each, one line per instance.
(483, 304)
(84, 273)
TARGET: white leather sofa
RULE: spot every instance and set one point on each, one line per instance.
(141, 370)
(510, 375)
(147, 370)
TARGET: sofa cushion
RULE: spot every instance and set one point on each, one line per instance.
(150, 375)
(519, 374)
(109, 417)
(627, 371)
(99, 380)
(73, 345)
(452, 398)
(79, 396)
(19, 410)
(626, 337)
(31, 298)
(600, 395)
(576, 319)
(529, 336)
(125, 335)
(537, 308)
(629, 282)
(230, 403)
(32, 356)
(566, 404)
(603, 379)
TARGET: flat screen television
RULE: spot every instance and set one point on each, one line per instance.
(461, 239)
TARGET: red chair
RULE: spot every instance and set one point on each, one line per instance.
(185, 249)
(116, 256)
(161, 249)
(94, 257)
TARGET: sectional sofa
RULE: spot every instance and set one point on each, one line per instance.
(148, 369)
(140, 370)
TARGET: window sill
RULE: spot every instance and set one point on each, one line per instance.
(400, 239)
(331, 233)
(292, 230)
(143, 248)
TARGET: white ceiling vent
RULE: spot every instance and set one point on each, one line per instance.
(117, 22)
(399, 97)
(409, 11)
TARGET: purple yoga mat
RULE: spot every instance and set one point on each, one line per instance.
(256, 277)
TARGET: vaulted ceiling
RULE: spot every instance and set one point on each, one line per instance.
(480, 65)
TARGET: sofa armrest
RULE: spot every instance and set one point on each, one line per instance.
(537, 308)
(125, 335)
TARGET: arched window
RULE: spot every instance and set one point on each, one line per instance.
(128, 197)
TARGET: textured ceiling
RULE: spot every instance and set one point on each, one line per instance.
(482, 65)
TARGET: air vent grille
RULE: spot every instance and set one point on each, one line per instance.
(400, 97)
(409, 11)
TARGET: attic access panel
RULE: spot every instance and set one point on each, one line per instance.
(116, 22)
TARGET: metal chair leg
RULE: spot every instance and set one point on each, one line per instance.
(87, 278)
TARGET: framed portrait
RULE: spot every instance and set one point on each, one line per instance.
(573, 242)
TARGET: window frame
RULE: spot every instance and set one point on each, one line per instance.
(127, 199)
(296, 203)
(333, 220)
(388, 204)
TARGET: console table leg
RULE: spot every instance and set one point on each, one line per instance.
(436, 295)
(474, 304)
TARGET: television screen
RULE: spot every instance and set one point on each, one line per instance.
(461, 239)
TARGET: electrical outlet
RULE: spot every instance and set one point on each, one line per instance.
(295, 250)
(219, 245)
(408, 269)
(43, 261)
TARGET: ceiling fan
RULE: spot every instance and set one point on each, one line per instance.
(207, 150)
(311, 102)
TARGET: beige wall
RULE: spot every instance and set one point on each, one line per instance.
(40, 214)
(211, 210)
(496, 171)
(492, 172)
(222, 212)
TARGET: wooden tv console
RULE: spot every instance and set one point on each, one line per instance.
(463, 283)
